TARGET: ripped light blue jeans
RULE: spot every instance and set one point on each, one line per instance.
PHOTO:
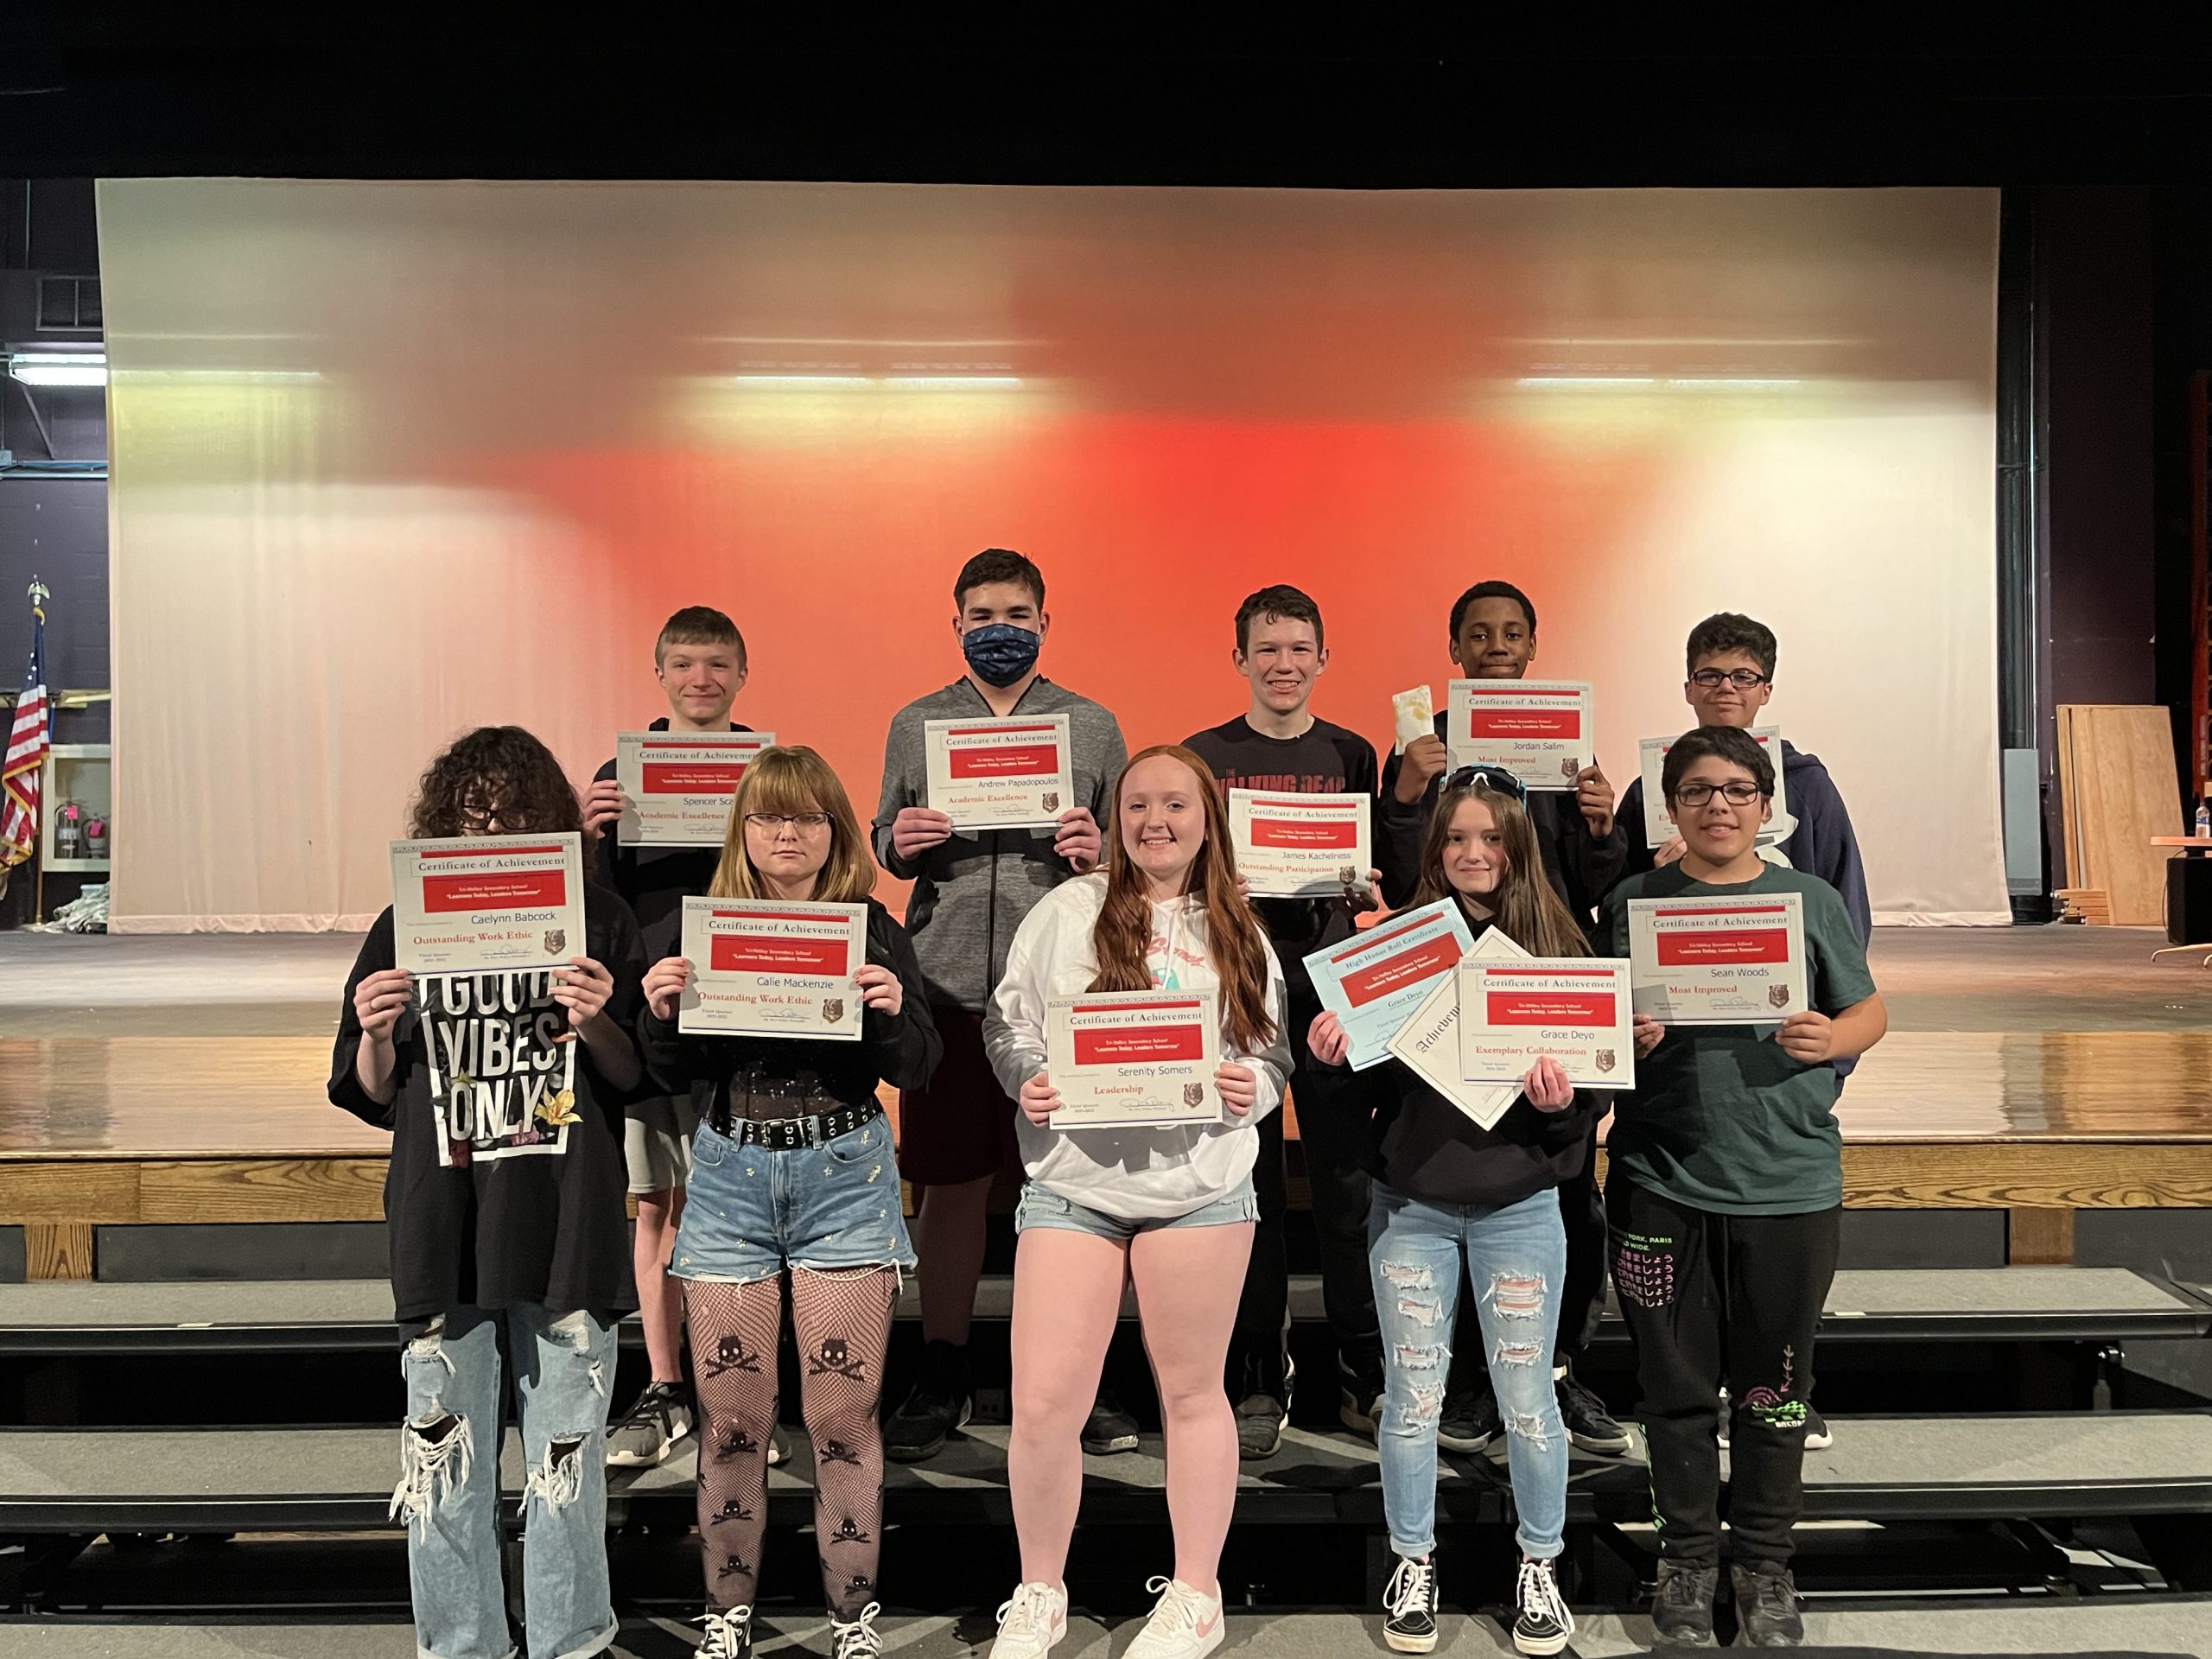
(449, 1491)
(1515, 1258)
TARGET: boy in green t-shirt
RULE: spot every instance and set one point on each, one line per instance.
(1725, 1193)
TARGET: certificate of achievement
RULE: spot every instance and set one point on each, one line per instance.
(1719, 962)
(1573, 1008)
(1373, 981)
(477, 904)
(765, 968)
(1300, 846)
(1429, 1041)
(1133, 1059)
(1000, 774)
(1538, 730)
(1658, 821)
(677, 786)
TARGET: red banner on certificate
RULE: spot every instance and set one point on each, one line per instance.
(1703, 960)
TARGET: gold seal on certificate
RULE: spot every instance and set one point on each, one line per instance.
(1000, 774)
(1708, 961)
(1575, 1009)
(677, 786)
(770, 968)
(1300, 846)
(1429, 1041)
(1540, 731)
(478, 903)
(1658, 820)
(1133, 1059)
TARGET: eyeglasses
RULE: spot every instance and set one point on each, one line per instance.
(769, 823)
(1491, 777)
(1742, 679)
(1698, 794)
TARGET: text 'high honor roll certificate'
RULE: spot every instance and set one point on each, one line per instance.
(1000, 774)
(1374, 981)
(1538, 730)
(765, 968)
(1574, 1009)
(475, 904)
(1719, 962)
(1133, 1059)
(677, 785)
(1300, 846)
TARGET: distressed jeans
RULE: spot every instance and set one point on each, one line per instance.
(449, 1491)
(1516, 1259)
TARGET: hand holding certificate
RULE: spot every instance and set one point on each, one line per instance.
(1541, 731)
(1373, 981)
(1133, 1059)
(769, 967)
(1300, 846)
(1000, 774)
(677, 786)
(1572, 1009)
(1719, 962)
(482, 904)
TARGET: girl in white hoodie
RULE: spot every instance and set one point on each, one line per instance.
(1170, 1209)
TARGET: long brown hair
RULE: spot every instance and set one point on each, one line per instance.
(1234, 942)
(1524, 905)
(494, 771)
(789, 778)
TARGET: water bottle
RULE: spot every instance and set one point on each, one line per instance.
(2203, 820)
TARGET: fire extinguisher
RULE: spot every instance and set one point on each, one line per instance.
(69, 830)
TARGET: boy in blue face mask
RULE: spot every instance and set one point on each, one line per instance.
(971, 891)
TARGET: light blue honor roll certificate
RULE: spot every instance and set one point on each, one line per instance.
(1374, 983)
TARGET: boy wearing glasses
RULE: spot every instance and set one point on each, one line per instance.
(1725, 1193)
(1731, 680)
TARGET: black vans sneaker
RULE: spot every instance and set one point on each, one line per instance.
(938, 1405)
(1409, 1608)
(1681, 1607)
(1589, 1425)
(1108, 1429)
(1541, 1623)
(1470, 1419)
(1766, 1606)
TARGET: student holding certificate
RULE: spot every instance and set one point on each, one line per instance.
(1169, 1209)
(503, 1093)
(1725, 1194)
(1451, 1197)
(792, 1171)
(699, 660)
(1279, 745)
(972, 887)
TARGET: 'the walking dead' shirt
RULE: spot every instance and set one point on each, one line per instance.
(507, 1178)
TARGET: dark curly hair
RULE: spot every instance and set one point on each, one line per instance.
(499, 772)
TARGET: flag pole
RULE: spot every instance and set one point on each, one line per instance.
(40, 593)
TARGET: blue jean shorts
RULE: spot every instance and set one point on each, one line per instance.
(1042, 1207)
(754, 1211)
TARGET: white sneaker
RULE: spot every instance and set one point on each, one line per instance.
(1030, 1622)
(1186, 1624)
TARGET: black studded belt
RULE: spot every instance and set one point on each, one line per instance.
(814, 1129)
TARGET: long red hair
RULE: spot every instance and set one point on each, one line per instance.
(1234, 943)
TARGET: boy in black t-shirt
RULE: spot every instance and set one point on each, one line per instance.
(1279, 744)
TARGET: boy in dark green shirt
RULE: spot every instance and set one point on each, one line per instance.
(1725, 1191)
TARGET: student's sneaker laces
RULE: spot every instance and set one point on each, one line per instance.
(1410, 1587)
(1178, 1610)
(1538, 1593)
(726, 1632)
(859, 1639)
(1023, 1613)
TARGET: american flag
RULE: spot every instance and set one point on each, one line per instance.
(29, 739)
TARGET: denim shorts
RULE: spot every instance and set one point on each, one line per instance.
(754, 1211)
(1042, 1207)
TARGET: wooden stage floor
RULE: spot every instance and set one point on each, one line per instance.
(2036, 1070)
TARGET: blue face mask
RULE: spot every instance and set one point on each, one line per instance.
(1000, 652)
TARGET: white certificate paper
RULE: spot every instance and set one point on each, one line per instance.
(1658, 821)
(765, 967)
(1133, 1059)
(1576, 1009)
(1300, 846)
(1000, 774)
(1429, 1042)
(478, 903)
(677, 786)
(1373, 981)
(1538, 730)
(1719, 962)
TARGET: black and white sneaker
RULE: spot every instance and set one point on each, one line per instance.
(1470, 1419)
(1589, 1425)
(1409, 1608)
(644, 1435)
(938, 1406)
(1542, 1624)
(1818, 1435)
(1260, 1422)
(730, 1634)
(1108, 1429)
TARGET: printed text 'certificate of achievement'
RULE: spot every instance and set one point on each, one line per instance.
(677, 786)
(1000, 774)
(1658, 821)
(1429, 1041)
(1538, 730)
(765, 968)
(1719, 962)
(1371, 982)
(1573, 1008)
(1133, 1059)
(1300, 846)
(475, 904)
